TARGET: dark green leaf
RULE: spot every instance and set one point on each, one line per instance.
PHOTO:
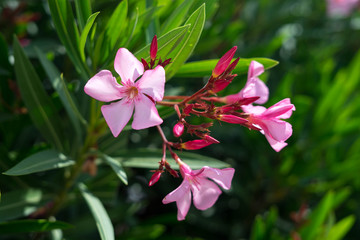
(99, 213)
(39, 162)
(40, 107)
(205, 67)
(147, 158)
(20, 203)
(116, 166)
(30, 225)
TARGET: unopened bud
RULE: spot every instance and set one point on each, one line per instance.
(195, 144)
(211, 139)
(153, 48)
(145, 64)
(232, 66)
(232, 119)
(220, 85)
(166, 62)
(155, 177)
(178, 129)
(223, 62)
(188, 109)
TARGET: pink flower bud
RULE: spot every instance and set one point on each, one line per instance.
(232, 119)
(153, 48)
(211, 139)
(223, 62)
(178, 129)
(195, 144)
(221, 84)
(145, 64)
(155, 177)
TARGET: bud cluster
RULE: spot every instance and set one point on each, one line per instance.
(153, 55)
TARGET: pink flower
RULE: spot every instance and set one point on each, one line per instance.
(268, 120)
(197, 183)
(133, 94)
(254, 87)
(341, 7)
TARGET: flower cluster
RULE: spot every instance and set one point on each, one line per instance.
(142, 87)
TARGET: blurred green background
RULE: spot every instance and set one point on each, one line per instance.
(310, 190)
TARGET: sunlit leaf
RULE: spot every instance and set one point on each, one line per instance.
(39, 162)
(83, 12)
(147, 158)
(339, 230)
(85, 33)
(205, 67)
(99, 213)
(32, 225)
(186, 47)
(116, 166)
(177, 17)
(41, 109)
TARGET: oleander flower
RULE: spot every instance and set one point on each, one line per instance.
(269, 121)
(197, 183)
(341, 8)
(254, 87)
(139, 95)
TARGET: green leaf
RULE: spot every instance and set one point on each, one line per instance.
(39, 162)
(116, 166)
(339, 230)
(99, 213)
(166, 43)
(60, 87)
(64, 22)
(115, 25)
(40, 107)
(83, 12)
(148, 158)
(20, 203)
(186, 47)
(30, 225)
(205, 67)
(259, 229)
(85, 33)
(177, 17)
(318, 217)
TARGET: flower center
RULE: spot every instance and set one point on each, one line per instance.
(132, 92)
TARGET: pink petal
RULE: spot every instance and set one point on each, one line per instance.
(103, 87)
(146, 114)
(277, 129)
(256, 110)
(276, 145)
(222, 177)
(282, 103)
(152, 83)
(117, 115)
(256, 88)
(255, 69)
(205, 193)
(233, 98)
(127, 65)
(278, 111)
(182, 197)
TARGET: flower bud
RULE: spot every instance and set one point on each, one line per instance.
(231, 119)
(155, 177)
(220, 85)
(223, 62)
(188, 109)
(145, 64)
(195, 144)
(153, 48)
(178, 129)
(211, 139)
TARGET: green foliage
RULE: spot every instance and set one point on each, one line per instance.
(40, 225)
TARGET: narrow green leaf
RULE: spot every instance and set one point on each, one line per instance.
(115, 25)
(41, 109)
(20, 203)
(149, 158)
(32, 225)
(83, 12)
(166, 43)
(177, 17)
(39, 162)
(259, 229)
(64, 22)
(99, 213)
(85, 33)
(205, 67)
(318, 217)
(116, 166)
(186, 47)
(339, 230)
(60, 87)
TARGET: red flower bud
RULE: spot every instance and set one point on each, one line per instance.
(155, 177)
(220, 85)
(166, 62)
(145, 64)
(195, 144)
(188, 109)
(211, 139)
(153, 48)
(178, 129)
(223, 62)
(232, 119)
